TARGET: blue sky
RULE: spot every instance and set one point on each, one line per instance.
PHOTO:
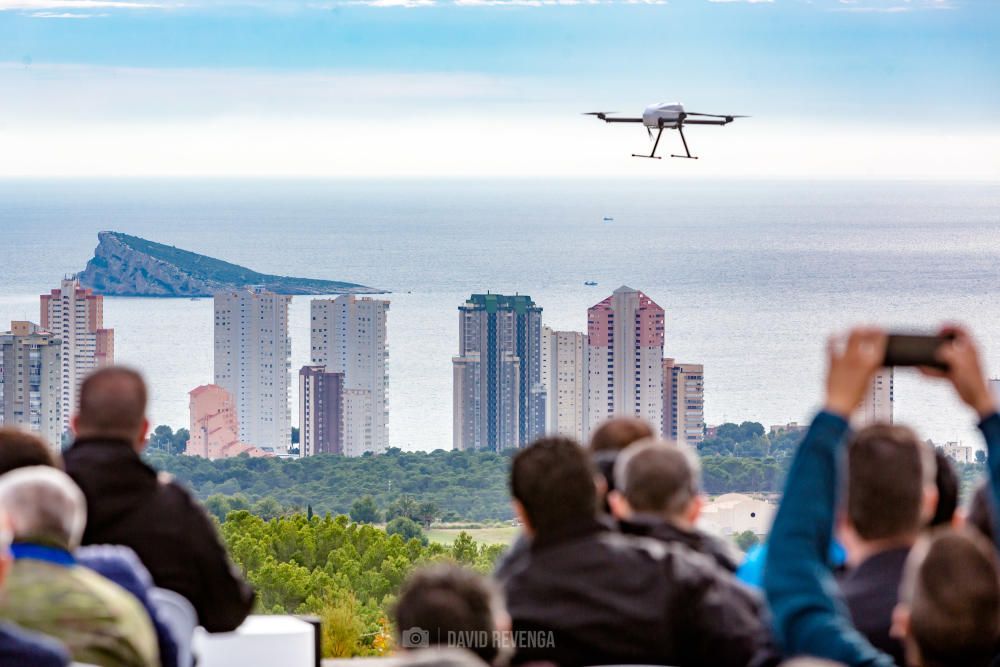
(919, 72)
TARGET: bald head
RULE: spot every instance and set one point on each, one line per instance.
(618, 433)
(113, 406)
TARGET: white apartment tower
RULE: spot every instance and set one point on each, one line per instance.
(683, 402)
(252, 362)
(31, 385)
(564, 378)
(625, 358)
(75, 315)
(349, 336)
(877, 405)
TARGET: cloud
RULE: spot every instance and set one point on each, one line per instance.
(40, 5)
(64, 15)
(890, 6)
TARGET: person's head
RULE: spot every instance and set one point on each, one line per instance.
(891, 492)
(610, 438)
(113, 406)
(44, 506)
(21, 449)
(981, 511)
(617, 433)
(657, 477)
(946, 481)
(439, 601)
(552, 484)
(949, 601)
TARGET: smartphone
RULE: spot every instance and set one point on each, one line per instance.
(914, 350)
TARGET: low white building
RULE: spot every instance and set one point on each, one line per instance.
(733, 513)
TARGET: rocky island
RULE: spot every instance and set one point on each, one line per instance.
(125, 265)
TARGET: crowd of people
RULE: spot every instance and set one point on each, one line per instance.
(97, 550)
(868, 562)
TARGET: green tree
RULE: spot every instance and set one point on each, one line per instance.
(364, 510)
(406, 528)
(746, 540)
(267, 508)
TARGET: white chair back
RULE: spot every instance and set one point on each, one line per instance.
(180, 618)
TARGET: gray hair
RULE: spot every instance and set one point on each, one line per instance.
(655, 475)
(45, 505)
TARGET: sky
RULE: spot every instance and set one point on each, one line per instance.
(859, 89)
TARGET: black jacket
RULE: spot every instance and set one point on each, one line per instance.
(714, 547)
(174, 538)
(871, 591)
(608, 598)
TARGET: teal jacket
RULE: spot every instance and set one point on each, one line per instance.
(810, 617)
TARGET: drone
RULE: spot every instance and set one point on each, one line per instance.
(667, 116)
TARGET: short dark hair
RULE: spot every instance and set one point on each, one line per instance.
(656, 478)
(21, 449)
(445, 598)
(887, 470)
(618, 433)
(952, 586)
(947, 485)
(112, 402)
(981, 511)
(553, 480)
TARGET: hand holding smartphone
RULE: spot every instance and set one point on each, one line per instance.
(915, 350)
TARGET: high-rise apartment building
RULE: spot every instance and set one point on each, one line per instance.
(564, 378)
(214, 425)
(625, 358)
(31, 381)
(252, 360)
(498, 399)
(321, 411)
(349, 336)
(75, 315)
(877, 405)
(683, 402)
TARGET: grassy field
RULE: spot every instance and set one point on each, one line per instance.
(488, 535)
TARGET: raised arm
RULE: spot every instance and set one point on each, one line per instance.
(965, 372)
(809, 616)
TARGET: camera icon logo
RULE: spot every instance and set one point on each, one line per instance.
(415, 638)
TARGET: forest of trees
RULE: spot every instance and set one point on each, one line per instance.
(451, 486)
(346, 573)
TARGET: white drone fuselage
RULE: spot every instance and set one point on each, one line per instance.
(667, 112)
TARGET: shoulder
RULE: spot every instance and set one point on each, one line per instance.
(19, 647)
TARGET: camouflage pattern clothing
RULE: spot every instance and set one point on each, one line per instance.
(98, 621)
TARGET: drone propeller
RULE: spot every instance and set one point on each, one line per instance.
(597, 113)
(715, 115)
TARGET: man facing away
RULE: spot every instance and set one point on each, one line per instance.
(157, 518)
(600, 597)
(658, 494)
(881, 520)
(949, 600)
(49, 592)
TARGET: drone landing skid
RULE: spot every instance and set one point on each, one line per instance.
(652, 154)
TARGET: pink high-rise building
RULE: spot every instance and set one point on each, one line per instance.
(215, 430)
(625, 358)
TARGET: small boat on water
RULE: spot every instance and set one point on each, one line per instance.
(589, 283)
(608, 219)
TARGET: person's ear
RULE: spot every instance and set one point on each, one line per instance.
(522, 516)
(601, 485)
(619, 505)
(6, 561)
(929, 503)
(900, 628)
(74, 424)
(143, 436)
(694, 509)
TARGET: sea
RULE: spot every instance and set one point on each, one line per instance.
(753, 275)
